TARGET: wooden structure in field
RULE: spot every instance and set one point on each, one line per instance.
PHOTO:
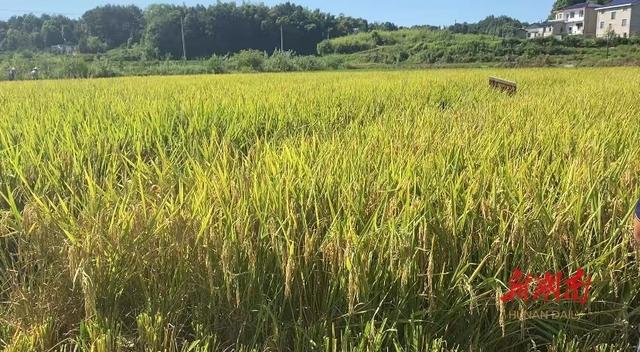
(503, 85)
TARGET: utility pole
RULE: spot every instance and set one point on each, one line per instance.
(184, 45)
(281, 38)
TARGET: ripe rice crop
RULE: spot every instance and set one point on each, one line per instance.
(329, 211)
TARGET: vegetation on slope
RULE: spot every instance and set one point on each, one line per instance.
(500, 26)
(428, 46)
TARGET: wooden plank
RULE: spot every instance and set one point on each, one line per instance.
(508, 87)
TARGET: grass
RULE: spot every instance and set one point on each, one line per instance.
(329, 211)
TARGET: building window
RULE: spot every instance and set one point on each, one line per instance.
(601, 25)
(581, 13)
(613, 15)
(624, 22)
(570, 29)
(573, 14)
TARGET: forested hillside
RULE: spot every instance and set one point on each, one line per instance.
(218, 29)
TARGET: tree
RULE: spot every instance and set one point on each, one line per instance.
(610, 36)
(70, 30)
(3, 31)
(115, 25)
(27, 23)
(51, 34)
(92, 45)
(198, 38)
(16, 40)
(384, 26)
(219, 29)
(162, 34)
(502, 26)
(559, 4)
(283, 18)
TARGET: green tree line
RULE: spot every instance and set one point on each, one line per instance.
(564, 3)
(500, 26)
(217, 29)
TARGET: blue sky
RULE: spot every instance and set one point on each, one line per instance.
(403, 12)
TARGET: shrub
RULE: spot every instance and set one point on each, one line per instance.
(325, 47)
(280, 61)
(103, 68)
(92, 45)
(310, 63)
(217, 64)
(634, 40)
(376, 38)
(403, 56)
(249, 60)
(334, 62)
(73, 68)
(575, 41)
(136, 53)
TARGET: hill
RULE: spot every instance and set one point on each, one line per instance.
(156, 31)
(428, 46)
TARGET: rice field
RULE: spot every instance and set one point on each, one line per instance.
(359, 211)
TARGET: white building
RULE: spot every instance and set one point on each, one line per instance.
(578, 19)
(622, 17)
(543, 30)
